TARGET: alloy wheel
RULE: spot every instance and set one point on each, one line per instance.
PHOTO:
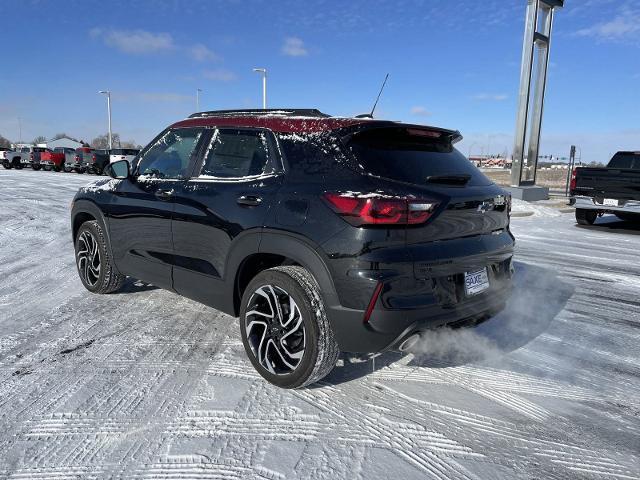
(88, 258)
(275, 330)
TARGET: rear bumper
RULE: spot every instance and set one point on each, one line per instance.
(591, 203)
(388, 328)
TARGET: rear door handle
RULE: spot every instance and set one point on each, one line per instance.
(249, 200)
(164, 194)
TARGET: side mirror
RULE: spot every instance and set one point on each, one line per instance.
(119, 170)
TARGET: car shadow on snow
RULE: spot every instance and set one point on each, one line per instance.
(538, 296)
(611, 223)
(132, 285)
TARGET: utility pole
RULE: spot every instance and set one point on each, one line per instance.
(263, 71)
(198, 92)
(108, 94)
(20, 129)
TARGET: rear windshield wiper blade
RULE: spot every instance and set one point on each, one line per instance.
(449, 179)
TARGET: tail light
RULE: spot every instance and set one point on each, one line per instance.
(77, 158)
(31, 155)
(572, 184)
(93, 157)
(380, 210)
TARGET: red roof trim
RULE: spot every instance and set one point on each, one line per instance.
(277, 124)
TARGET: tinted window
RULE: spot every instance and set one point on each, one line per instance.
(236, 154)
(625, 160)
(124, 151)
(398, 154)
(312, 154)
(169, 156)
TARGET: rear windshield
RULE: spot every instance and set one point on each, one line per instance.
(398, 154)
(625, 160)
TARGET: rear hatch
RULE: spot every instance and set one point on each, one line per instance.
(468, 226)
(425, 165)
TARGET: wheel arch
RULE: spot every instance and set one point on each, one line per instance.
(277, 249)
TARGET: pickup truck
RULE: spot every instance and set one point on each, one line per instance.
(99, 160)
(69, 157)
(50, 159)
(23, 156)
(613, 189)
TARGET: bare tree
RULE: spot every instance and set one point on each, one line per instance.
(4, 142)
(102, 141)
(131, 144)
(39, 139)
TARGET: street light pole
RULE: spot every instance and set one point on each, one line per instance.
(198, 91)
(108, 94)
(263, 71)
(20, 129)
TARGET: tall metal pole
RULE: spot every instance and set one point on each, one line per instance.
(108, 94)
(537, 35)
(198, 90)
(263, 71)
(20, 129)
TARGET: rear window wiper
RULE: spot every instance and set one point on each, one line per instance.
(449, 179)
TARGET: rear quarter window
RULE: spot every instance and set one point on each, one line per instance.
(312, 154)
(395, 154)
(625, 160)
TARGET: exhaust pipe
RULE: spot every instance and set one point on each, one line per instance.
(409, 343)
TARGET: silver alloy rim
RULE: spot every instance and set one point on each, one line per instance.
(275, 330)
(88, 258)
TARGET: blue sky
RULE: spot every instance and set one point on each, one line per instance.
(452, 63)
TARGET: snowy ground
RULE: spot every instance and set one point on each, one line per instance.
(145, 384)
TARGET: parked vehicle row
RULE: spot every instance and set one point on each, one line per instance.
(63, 159)
(613, 189)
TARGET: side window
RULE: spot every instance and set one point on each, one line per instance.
(169, 156)
(237, 154)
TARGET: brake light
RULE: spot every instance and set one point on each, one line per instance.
(77, 158)
(572, 184)
(31, 155)
(379, 210)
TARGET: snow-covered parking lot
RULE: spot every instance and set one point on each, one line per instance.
(146, 384)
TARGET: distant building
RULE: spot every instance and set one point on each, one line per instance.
(65, 142)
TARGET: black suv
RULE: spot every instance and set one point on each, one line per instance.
(322, 234)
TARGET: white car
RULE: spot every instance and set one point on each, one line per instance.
(128, 154)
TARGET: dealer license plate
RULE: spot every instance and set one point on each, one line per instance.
(610, 202)
(476, 282)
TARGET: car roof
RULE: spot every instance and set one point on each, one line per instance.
(290, 121)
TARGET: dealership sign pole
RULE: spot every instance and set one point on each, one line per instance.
(537, 36)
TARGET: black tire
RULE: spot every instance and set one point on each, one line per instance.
(586, 217)
(319, 347)
(36, 167)
(46, 169)
(6, 164)
(96, 269)
(56, 168)
(17, 164)
(66, 169)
